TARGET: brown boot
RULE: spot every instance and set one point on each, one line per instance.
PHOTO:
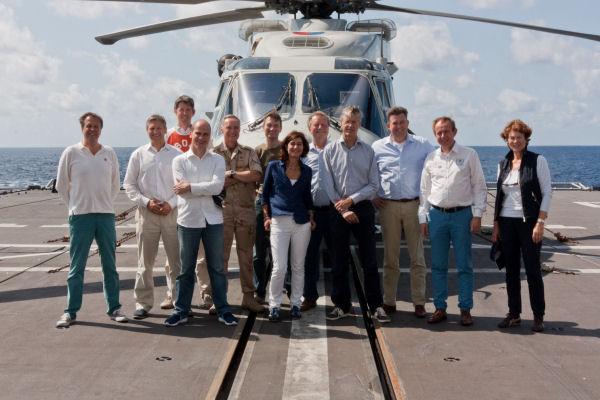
(465, 318)
(389, 309)
(420, 311)
(250, 304)
(308, 305)
(438, 315)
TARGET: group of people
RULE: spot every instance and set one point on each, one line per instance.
(287, 197)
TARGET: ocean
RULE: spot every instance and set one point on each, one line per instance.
(22, 167)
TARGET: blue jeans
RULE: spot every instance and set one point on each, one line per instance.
(84, 228)
(455, 228)
(322, 231)
(189, 241)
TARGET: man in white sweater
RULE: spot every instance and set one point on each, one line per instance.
(88, 182)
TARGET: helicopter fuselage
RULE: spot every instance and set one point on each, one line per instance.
(312, 65)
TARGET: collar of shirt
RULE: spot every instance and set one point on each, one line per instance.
(81, 147)
(189, 154)
(454, 150)
(183, 131)
(358, 142)
(153, 149)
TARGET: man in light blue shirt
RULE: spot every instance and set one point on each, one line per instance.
(400, 159)
(318, 126)
(350, 178)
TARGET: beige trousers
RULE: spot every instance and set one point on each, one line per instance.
(238, 222)
(395, 217)
(150, 229)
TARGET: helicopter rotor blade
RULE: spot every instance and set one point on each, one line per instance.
(201, 20)
(382, 7)
(172, 1)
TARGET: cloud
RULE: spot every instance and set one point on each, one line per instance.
(513, 101)
(428, 95)
(90, 9)
(464, 81)
(535, 48)
(25, 66)
(428, 46)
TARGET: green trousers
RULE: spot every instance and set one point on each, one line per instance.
(84, 228)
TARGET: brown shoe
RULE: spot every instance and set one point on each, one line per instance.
(308, 305)
(538, 324)
(250, 303)
(420, 311)
(438, 315)
(465, 318)
(167, 303)
(389, 309)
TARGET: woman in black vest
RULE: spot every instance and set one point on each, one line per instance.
(523, 198)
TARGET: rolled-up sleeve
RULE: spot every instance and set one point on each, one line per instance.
(478, 186)
(215, 185)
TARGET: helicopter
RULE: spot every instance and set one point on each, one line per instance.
(300, 65)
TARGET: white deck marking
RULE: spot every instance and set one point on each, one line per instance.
(565, 227)
(307, 371)
(124, 226)
(27, 255)
(8, 225)
(592, 204)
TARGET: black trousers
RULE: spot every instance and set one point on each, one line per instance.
(364, 232)
(516, 243)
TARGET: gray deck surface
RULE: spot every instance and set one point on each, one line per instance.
(98, 358)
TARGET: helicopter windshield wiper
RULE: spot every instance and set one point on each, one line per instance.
(313, 99)
(286, 94)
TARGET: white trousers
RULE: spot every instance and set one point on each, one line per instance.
(287, 235)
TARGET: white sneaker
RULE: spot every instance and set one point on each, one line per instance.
(118, 317)
(65, 321)
(381, 315)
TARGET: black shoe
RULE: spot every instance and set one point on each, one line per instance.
(140, 313)
(295, 312)
(538, 324)
(509, 322)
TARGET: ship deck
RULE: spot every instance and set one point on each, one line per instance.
(352, 358)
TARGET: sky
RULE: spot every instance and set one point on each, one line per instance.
(52, 70)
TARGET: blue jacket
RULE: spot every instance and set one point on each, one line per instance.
(282, 197)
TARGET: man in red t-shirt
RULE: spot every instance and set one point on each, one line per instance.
(179, 136)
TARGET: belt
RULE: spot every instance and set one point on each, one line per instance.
(450, 209)
(404, 200)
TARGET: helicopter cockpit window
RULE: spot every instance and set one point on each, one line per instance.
(222, 90)
(331, 93)
(253, 95)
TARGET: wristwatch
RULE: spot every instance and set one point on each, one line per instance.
(232, 173)
(541, 221)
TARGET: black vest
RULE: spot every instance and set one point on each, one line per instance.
(531, 193)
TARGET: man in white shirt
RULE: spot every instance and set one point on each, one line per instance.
(199, 175)
(88, 182)
(453, 194)
(149, 183)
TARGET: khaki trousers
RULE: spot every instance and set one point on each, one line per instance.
(238, 222)
(395, 217)
(150, 228)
